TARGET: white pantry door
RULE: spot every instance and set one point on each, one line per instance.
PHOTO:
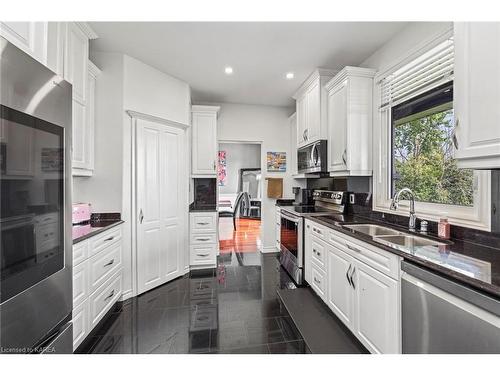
(160, 238)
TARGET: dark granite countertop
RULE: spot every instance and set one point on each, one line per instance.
(85, 231)
(475, 265)
(213, 209)
(284, 202)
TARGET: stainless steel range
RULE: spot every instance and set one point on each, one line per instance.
(326, 203)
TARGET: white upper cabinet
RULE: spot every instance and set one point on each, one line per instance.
(83, 127)
(82, 75)
(204, 140)
(76, 60)
(30, 37)
(477, 94)
(311, 107)
(43, 41)
(349, 109)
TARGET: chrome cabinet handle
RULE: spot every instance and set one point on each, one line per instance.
(111, 295)
(347, 274)
(141, 217)
(203, 239)
(316, 230)
(353, 248)
(352, 281)
(109, 238)
(203, 223)
(215, 165)
(344, 157)
(307, 134)
(203, 255)
(109, 263)
(317, 281)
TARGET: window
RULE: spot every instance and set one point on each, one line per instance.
(413, 141)
(422, 150)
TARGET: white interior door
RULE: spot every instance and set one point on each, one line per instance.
(160, 227)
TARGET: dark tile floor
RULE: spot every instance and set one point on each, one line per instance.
(233, 309)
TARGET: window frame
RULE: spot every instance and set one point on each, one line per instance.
(477, 216)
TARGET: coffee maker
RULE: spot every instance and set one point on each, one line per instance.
(303, 197)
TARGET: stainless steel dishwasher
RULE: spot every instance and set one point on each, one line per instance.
(442, 316)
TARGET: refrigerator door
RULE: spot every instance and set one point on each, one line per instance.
(35, 254)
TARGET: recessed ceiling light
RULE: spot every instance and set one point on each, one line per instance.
(228, 70)
(290, 75)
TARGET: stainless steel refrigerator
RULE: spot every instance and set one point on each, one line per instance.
(35, 207)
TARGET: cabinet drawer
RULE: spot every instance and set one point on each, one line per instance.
(206, 238)
(80, 283)
(318, 252)
(318, 281)
(379, 259)
(103, 265)
(318, 231)
(103, 299)
(80, 323)
(101, 241)
(203, 254)
(80, 252)
(203, 222)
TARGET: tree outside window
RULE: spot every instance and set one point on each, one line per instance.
(422, 157)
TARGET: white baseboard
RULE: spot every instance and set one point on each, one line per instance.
(269, 249)
(127, 294)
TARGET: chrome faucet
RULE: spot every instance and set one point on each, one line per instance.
(395, 204)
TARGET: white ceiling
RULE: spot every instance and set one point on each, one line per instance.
(260, 53)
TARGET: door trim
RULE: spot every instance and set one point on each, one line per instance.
(130, 210)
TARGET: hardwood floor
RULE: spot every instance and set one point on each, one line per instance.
(245, 239)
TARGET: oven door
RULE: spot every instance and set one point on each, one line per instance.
(291, 239)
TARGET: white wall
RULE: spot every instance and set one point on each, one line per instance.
(151, 91)
(104, 189)
(238, 155)
(125, 84)
(269, 126)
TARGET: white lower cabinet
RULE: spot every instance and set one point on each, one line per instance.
(376, 308)
(80, 324)
(278, 228)
(203, 242)
(340, 296)
(318, 281)
(97, 280)
(364, 296)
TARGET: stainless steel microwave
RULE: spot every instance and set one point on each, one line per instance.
(312, 158)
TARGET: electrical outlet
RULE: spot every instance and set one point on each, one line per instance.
(352, 198)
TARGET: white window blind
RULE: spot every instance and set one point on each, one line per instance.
(429, 70)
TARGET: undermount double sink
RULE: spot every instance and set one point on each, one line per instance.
(392, 237)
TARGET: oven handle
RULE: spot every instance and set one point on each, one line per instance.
(289, 217)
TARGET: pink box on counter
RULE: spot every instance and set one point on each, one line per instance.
(81, 212)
